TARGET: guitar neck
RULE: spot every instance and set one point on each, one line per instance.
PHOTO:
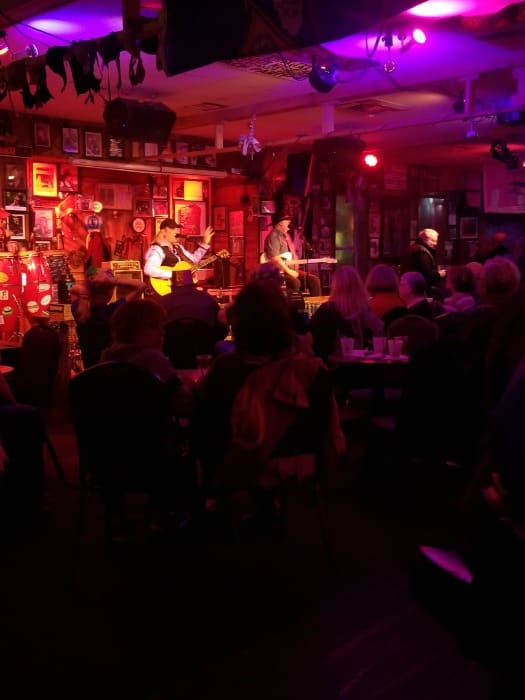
(307, 261)
(203, 263)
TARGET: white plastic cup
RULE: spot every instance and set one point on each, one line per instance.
(347, 346)
(379, 345)
(395, 347)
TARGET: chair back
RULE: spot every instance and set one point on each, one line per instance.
(119, 413)
(36, 368)
(419, 331)
(185, 338)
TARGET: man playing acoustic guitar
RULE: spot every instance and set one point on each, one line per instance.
(279, 250)
(167, 250)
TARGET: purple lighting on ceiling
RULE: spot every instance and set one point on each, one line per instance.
(435, 9)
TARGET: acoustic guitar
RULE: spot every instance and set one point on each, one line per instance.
(287, 257)
(163, 286)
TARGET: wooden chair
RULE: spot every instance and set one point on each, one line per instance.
(126, 437)
(306, 438)
(419, 331)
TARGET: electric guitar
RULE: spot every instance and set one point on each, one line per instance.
(287, 257)
(163, 286)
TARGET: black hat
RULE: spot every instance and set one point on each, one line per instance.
(276, 218)
(169, 223)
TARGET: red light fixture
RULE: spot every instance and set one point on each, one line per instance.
(371, 160)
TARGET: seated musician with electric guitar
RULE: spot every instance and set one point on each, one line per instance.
(279, 249)
(167, 250)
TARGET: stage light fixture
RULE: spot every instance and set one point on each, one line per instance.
(418, 37)
(500, 151)
(371, 160)
(323, 75)
(30, 51)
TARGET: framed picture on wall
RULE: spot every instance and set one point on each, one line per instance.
(93, 144)
(159, 187)
(219, 218)
(45, 183)
(70, 140)
(15, 200)
(44, 223)
(15, 176)
(17, 226)
(373, 244)
(192, 217)
(142, 207)
(468, 227)
(236, 223)
(42, 134)
(160, 207)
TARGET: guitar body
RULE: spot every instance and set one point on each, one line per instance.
(163, 286)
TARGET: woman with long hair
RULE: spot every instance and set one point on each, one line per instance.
(347, 312)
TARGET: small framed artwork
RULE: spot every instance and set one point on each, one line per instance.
(236, 223)
(70, 140)
(219, 218)
(373, 248)
(468, 227)
(160, 207)
(42, 135)
(115, 148)
(237, 246)
(324, 245)
(67, 178)
(159, 187)
(93, 144)
(142, 206)
(192, 217)
(178, 188)
(193, 191)
(15, 176)
(44, 245)
(15, 200)
(44, 224)
(17, 226)
(45, 182)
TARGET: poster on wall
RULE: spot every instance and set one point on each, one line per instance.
(192, 217)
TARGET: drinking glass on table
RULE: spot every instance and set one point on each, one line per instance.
(379, 343)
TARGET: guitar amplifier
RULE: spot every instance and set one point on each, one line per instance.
(122, 266)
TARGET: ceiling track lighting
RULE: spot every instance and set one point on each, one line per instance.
(417, 36)
(29, 51)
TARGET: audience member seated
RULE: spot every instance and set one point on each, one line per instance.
(479, 278)
(22, 436)
(92, 309)
(138, 336)
(263, 335)
(412, 287)
(462, 287)
(345, 313)
(382, 283)
(187, 301)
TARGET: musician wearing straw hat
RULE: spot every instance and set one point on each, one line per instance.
(279, 250)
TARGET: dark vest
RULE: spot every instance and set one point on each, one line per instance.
(170, 258)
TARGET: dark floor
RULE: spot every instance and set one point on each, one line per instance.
(219, 620)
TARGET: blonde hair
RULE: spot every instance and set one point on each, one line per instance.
(347, 291)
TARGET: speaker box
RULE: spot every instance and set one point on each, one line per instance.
(142, 121)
